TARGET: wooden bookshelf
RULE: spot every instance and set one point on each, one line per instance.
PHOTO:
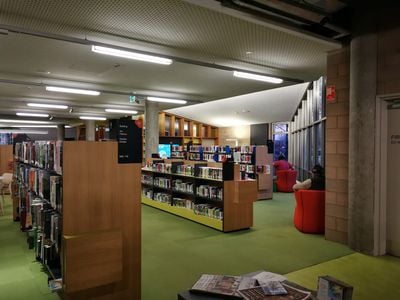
(100, 252)
(182, 130)
(236, 202)
(6, 155)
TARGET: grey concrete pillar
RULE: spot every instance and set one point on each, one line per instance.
(60, 132)
(90, 130)
(363, 77)
(152, 128)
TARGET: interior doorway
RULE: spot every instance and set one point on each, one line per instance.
(387, 163)
(393, 180)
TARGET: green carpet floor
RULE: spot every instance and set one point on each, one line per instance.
(175, 252)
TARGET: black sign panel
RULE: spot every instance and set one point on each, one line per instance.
(129, 135)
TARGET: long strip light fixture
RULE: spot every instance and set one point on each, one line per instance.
(45, 105)
(166, 100)
(257, 77)
(121, 111)
(72, 90)
(131, 55)
(92, 118)
(23, 121)
(22, 114)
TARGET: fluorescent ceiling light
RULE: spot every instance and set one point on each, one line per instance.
(23, 121)
(92, 118)
(71, 90)
(33, 126)
(23, 131)
(32, 115)
(132, 55)
(257, 77)
(43, 105)
(156, 99)
(121, 111)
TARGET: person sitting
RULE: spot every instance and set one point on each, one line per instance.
(282, 163)
(316, 182)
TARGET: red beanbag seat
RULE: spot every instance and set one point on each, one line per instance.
(285, 179)
(309, 214)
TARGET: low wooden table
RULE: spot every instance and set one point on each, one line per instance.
(187, 295)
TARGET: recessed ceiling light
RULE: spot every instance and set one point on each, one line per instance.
(167, 100)
(44, 105)
(121, 111)
(72, 90)
(92, 118)
(249, 52)
(21, 114)
(132, 55)
(257, 77)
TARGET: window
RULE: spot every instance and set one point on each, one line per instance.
(280, 137)
(308, 131)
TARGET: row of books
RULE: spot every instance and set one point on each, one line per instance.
(185, 170)
(41, 183)
(210, 173)
(42, 154)
(208, 210)
(177, 148)
(181, 186)
(247, 169)
(147, 179)
(195, 156)
(161, 167)
(242, 158)
(147, 192)
(244, 149)
(162, 182)
(175, 154)
(209, 191)
(162, 197)
(46, 228)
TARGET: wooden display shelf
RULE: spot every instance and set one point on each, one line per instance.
(237, 202)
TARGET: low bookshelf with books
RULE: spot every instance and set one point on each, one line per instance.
(209, 193)
(82, 216)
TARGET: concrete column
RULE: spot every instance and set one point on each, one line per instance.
(363, 81)
(60, 132)
(90, 130)
(152, 127)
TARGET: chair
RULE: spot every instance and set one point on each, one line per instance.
(285, 179)
(309, 214)
(5, 183)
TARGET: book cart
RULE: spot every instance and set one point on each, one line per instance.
(84, 211)
(209, 193)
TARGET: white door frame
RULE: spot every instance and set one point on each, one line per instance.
(380, 197)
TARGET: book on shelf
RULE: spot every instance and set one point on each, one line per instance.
(223, 285)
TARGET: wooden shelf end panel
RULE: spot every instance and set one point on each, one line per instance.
(92, 260)
(238, 204)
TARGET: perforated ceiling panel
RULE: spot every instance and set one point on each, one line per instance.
(171, 23)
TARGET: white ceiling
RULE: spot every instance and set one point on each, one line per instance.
(268, 106)
(48, 42)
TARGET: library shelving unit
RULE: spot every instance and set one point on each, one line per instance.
(84, 210)
(256, 163)
(208, 193)
(179, 130)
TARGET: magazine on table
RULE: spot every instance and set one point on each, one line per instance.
(260, 293)
(225, 285)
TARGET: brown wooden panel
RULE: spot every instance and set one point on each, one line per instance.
(238, 204)
(101, 195)
(6, 154)
(161, 122)
(92, 260)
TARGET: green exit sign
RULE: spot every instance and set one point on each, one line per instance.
(132, 99)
